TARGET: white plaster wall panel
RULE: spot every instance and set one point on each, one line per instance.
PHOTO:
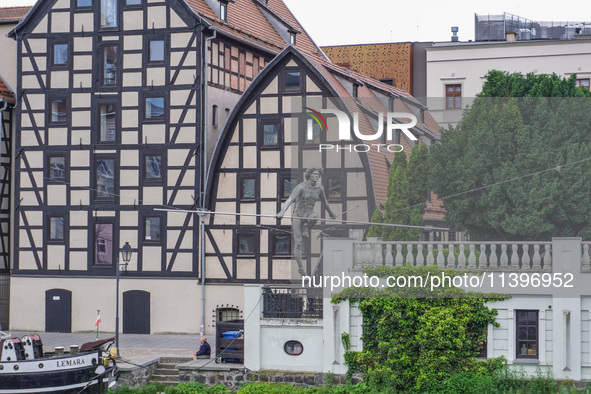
(81, 197)
(58, 136)
(41, 27)
(272, 87)
(129, 137)
(79, 178)
(249, 130)
(129, 99)
(185, 77)
(270, 159)
(352, 160)
(245, 269)
(128, 218)
(252, 109)
(156, 76)
(56, 257)
(214, 269)
(83, 22)
(356, 184)
(83, 80)
(30, 82)
(178, 220)
(60, 22)
(132, 60)
(226, 186)
(81, 118)
(132, 79)
(189, 116)
(129, 178)
(282, 269)
(28, 138)
(311, 86)
(180, 40)
(268, 184)
(231, 158)
(131, 43)
(312, 157)
(172, 238)
(56, 195)
(60, 79)
(26, 65)
(39, 177)
(82, 44)
(183, 197)
(36, 102)
(177, 157)
(29, 199)
(188, 179)
(78, 218)
(26, 261)
(128, 197)
(183, 262)
(82, 62)
(249, 157)
(35, 218)
(224, 239)
(153, 195)
(78, 261)
(264, 268)
(24, 239)
(133, 20)
(153, 133)
(249, 208)
(357, 210)
(129, 158)
(225, 207)
(104, 214)
(186, 135)
(289, 160)
(39, 119)
(38, 45)
(214, 48)
(269, 105)
(129, 118)
(79, 158)
(80, 100)
(25, 180)
(333, 158)
(61, 4)
(41, 63)
(264, 244)
(175, 20)
(179, 97)
(78, 239)
(151, 258)
(156, 17)
(80, 137)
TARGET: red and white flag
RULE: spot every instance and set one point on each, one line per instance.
(98, 320)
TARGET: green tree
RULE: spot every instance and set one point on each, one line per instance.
(494, 170)
(407, 193)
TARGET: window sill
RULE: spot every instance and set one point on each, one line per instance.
(526, 361)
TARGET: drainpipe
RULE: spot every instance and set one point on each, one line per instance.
(204, 177)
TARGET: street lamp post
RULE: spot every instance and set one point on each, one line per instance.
(126, 254)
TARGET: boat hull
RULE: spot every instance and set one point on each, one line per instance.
(69, 374)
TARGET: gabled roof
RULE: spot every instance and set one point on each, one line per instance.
(13, 14)
(5, 93)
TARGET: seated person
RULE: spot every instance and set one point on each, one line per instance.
(204, 350)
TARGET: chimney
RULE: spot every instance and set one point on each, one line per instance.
(454, 37)
(511, 37)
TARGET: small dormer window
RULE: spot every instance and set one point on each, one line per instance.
(292, 38)
(224, 11)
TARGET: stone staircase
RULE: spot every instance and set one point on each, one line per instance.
(166, 372)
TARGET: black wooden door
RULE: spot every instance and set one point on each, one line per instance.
(136, 312)
(58, 310)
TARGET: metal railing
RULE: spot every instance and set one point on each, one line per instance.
(292, 303)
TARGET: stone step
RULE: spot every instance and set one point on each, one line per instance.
(167, 365)
(163, 378)
(166, 371)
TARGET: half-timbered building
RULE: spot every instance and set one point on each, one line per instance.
(114, 120)
(265, 149)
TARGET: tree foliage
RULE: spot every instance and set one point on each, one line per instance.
(518, 165)
(407, 193)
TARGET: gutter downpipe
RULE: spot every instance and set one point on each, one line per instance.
(204, 180)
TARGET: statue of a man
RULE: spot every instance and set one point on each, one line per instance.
(304, 217)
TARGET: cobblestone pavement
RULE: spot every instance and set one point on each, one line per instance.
(131, 346)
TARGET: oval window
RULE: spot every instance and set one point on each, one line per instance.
(293, 348)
